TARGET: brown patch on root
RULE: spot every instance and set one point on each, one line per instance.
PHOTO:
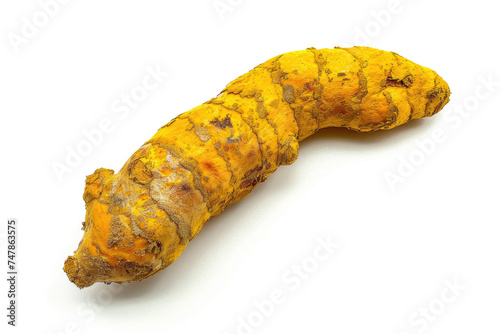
(139, 173)
(406, 82)
(251, 178)
(289, 93)
(94, 184)
(154, 247)
(222, 124)
(87, 272)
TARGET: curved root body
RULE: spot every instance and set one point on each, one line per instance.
(139, 220)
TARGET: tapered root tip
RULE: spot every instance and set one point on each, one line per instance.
(77, 274)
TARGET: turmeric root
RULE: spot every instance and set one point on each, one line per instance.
(139, 220)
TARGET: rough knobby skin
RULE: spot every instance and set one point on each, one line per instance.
(139, 220)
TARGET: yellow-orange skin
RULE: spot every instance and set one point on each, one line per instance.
(139, 220)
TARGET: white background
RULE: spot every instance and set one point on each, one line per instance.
(399, 245)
